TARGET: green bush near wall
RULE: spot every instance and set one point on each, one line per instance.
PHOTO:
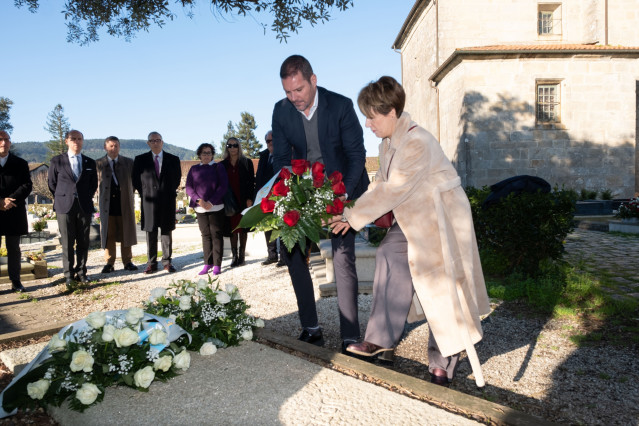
(521, 231)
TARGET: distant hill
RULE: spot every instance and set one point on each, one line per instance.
(36, 152)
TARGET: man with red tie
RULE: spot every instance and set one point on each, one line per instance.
(156, 176)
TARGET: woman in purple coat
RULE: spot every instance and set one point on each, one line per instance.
(206, 185)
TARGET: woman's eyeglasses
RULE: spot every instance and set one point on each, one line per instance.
(232, 145)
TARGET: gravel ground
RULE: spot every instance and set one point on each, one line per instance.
(529, 362)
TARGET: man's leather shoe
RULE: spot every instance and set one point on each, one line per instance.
(366, 349)
(280, 263)
(313, 337)
(150, 269)
(130, 267)
(82, 279)
(17, 287)
(69, 283)
(107, 269)
(170, 268)
(269, 261)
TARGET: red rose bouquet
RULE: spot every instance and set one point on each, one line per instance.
(296, 205)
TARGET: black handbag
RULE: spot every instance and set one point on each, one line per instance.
(230, 204)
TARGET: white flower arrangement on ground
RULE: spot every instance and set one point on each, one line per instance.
(213, 317)
(105, 349)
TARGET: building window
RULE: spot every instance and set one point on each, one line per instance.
(548, 103)
(549, 19)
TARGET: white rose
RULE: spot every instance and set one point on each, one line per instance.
(56, 344)
(107, 332)
(163, 363)
(230, 288)
(81, 360)
(96, 319)
(208, 349)
(222, 297)
(247, 334)
(182, 360)
(157, 292)
(172, 317)
(37, 390)
(185, 303)
(87, 393)
(134, 315)
(259, 322)
(144, 377)
(202, 284)
(190, 290)
(157, 337)
(125, 337)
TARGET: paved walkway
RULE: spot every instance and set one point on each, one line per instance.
(613, 258)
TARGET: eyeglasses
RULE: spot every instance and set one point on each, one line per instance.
(155, 140)
(269, 140)
(232, 145)
(206, 153)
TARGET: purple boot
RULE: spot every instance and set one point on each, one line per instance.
(205, 270)
(216, 270)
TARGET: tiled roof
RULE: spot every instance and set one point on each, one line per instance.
(545, 47)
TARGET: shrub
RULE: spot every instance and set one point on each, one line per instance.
(606, 194)
(522, 230)
(587, 195)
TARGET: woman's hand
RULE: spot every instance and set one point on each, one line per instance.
(338, 226)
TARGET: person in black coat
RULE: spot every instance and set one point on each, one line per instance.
(73, 181)
(15, 187)
(242, 185)
(315, 124)
(264, 173)
(156, 176)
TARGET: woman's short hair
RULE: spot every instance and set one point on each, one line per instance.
(381, 96)
(201, 148)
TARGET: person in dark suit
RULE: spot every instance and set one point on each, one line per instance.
(156, 176)
(117, 208)
(73, 180)
(15, 187)
(264, 173)
(315, 124)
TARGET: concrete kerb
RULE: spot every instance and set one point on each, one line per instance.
(49, 330)
(447, 399)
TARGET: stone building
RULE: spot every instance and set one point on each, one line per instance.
(514, 87)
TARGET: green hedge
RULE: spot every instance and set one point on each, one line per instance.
(522, 230)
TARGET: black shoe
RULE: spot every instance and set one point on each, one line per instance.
(82, 279)
(313, 337)
(269, 261)
(235, 262)
(130, 267)
(69, 284)
(151, 269)
(17, 287)
(170, 268)
(107, 269)
(280, 263)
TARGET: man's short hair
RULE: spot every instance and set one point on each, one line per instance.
(111, 139)
(66, 135)
(294, 64)
(153, 133)
(268, 133)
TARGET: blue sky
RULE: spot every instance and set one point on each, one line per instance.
(188, 79)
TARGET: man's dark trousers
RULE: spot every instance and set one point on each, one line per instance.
(74, 230)
(152, 246)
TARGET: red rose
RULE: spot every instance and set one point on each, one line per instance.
(339, 188)
(336, 208)
(335, 177)
(317, 168)
(267, 205)
(291, 217)
(280, 189)
(318, 180)
(285, 173)
(299, 166)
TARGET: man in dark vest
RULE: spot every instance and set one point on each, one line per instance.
(314, 124)
(156, 177)
(15, 187)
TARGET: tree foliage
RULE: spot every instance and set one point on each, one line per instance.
(244, 132)
(57, 126)
(125, 18)
(5, 107)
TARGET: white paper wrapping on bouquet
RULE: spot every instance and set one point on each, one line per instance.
(148, 322)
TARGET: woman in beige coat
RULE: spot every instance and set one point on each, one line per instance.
(428, 262)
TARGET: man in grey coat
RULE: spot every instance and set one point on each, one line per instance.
(117, 208)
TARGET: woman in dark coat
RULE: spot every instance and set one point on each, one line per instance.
(242, 183)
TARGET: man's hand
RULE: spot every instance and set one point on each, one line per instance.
(337, 226)
(7, 203)
(249, 203)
